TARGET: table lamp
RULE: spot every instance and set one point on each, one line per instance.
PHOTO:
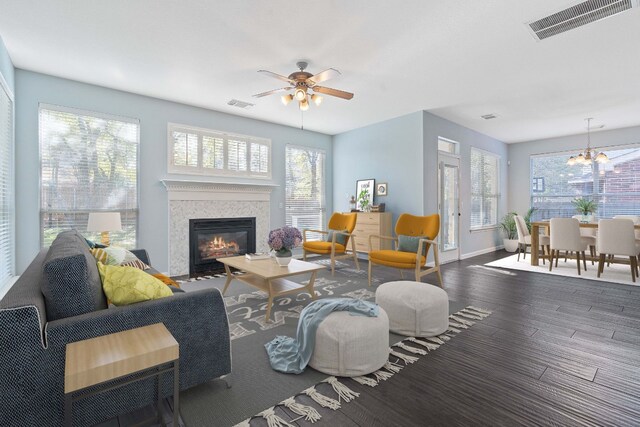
(104, 222)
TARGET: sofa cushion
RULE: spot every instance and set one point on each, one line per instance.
(128, 285)
(70, 280)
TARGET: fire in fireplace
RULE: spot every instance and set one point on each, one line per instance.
(214, 238)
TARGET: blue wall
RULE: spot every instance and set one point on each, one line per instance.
(6, 67)
(389, 151)
(404, 152)
(471, 242)
(154, 114)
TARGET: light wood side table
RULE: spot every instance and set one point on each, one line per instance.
(95, 361)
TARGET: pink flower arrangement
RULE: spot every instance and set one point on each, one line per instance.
(284, 239)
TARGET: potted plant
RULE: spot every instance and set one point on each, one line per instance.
(282, 240)
(508, 226)
(585, 207)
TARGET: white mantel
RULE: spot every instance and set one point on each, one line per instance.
(191, 199)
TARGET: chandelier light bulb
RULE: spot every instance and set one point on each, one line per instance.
(580, 159)
(317, 99)
(571, 161)
(301, 94)
(304, 104)
(602, 158)
(286, 99)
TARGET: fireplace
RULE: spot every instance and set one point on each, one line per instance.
(210, 239)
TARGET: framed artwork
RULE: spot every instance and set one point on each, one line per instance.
(381, 189)
(364, 193)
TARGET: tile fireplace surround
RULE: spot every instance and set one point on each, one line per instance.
(204, 199)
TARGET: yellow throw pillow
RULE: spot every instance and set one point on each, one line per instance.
(128, 285)
(100, 255)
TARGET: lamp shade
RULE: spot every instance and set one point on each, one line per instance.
(104, 221)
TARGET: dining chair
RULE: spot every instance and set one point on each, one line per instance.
(634, 218)
(338, 235)
(415, 235)
(524, 239)
(592, 235)
(617, 237)
(565, 236)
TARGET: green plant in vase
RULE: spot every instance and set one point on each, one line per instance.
(585, 207)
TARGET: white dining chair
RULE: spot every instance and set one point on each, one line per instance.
(634, 218)
(617, 237)
(565, 236)
(592, 235)
(524, 239)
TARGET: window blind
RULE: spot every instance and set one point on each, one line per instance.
(210, 152)
(305, 189)
(614, 186)
(7, 220)
(484, 188)
(89, 163)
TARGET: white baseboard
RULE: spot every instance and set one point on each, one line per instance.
(481, 252)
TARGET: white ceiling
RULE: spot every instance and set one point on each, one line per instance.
(457, 59)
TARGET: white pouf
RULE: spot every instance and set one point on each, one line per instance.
(415, 309)
(350, 346)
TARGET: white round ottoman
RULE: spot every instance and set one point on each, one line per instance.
(415, 309)
(350, 346)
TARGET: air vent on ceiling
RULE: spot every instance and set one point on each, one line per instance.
(240, 104)
(578, 15)
(489, 116)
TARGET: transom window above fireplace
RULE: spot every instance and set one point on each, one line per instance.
(200, 151)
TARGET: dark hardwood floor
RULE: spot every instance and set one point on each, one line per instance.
(555, 351)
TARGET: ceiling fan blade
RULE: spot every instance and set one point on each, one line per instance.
(277, 76)
(271, 92)
(327, 74)
(333, 92)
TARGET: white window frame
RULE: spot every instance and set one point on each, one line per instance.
(225, 136)
(11, 277)
(498, 194)
(100, 115)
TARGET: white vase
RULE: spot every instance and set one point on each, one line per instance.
(283, 258)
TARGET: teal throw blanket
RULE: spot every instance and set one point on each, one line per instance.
(291, 355)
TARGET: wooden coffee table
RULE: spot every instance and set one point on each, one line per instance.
(268, 276)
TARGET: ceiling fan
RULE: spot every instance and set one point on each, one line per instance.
(301, 82)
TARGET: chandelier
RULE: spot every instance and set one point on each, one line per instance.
(588, 156)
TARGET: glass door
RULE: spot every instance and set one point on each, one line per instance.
(449, 206)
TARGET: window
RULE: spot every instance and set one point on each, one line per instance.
(7, 220)
(614, 186)
(210, 152)
(89, 163)
(484, 188)
(448, 146)
(305, 186)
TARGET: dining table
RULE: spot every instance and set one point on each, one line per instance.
(535, 236)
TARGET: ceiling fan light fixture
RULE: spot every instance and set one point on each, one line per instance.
(300, 94)
(304, 104)
(286, 99)
(317, 99)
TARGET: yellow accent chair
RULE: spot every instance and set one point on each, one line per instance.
(415, 235)
(340, 226)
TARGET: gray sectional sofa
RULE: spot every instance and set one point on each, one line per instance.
(35, 327)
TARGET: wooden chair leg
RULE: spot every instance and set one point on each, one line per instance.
(557, 257)
(402, 275)
(543, 257)
(304, 255)
(632, 261)
(551, 259)
(584, 261)
(566, 255)
(333, 266)
(519, 247)
(601, 264)
(370, 263)
(355, 254)
(578, 259)
(524, 251)
(592, 250)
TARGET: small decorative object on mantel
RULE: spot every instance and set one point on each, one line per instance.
(381, 189)
(282, 240)
(364, 191)
(353, 203)
(378, 208)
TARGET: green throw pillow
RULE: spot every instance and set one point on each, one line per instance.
(411, 243)
(341, 239)
(128, 285)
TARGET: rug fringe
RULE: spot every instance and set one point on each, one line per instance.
(272, 419)
(410, 349)
(452, 329)
(428, 345)
(457, 325)
(308, 412)
(392, 367)
(461, 320)
(479, 310)
(444, 337)
(382, 375)
(321, 399)
(344, 392)
(407, 359)
(365, 381)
